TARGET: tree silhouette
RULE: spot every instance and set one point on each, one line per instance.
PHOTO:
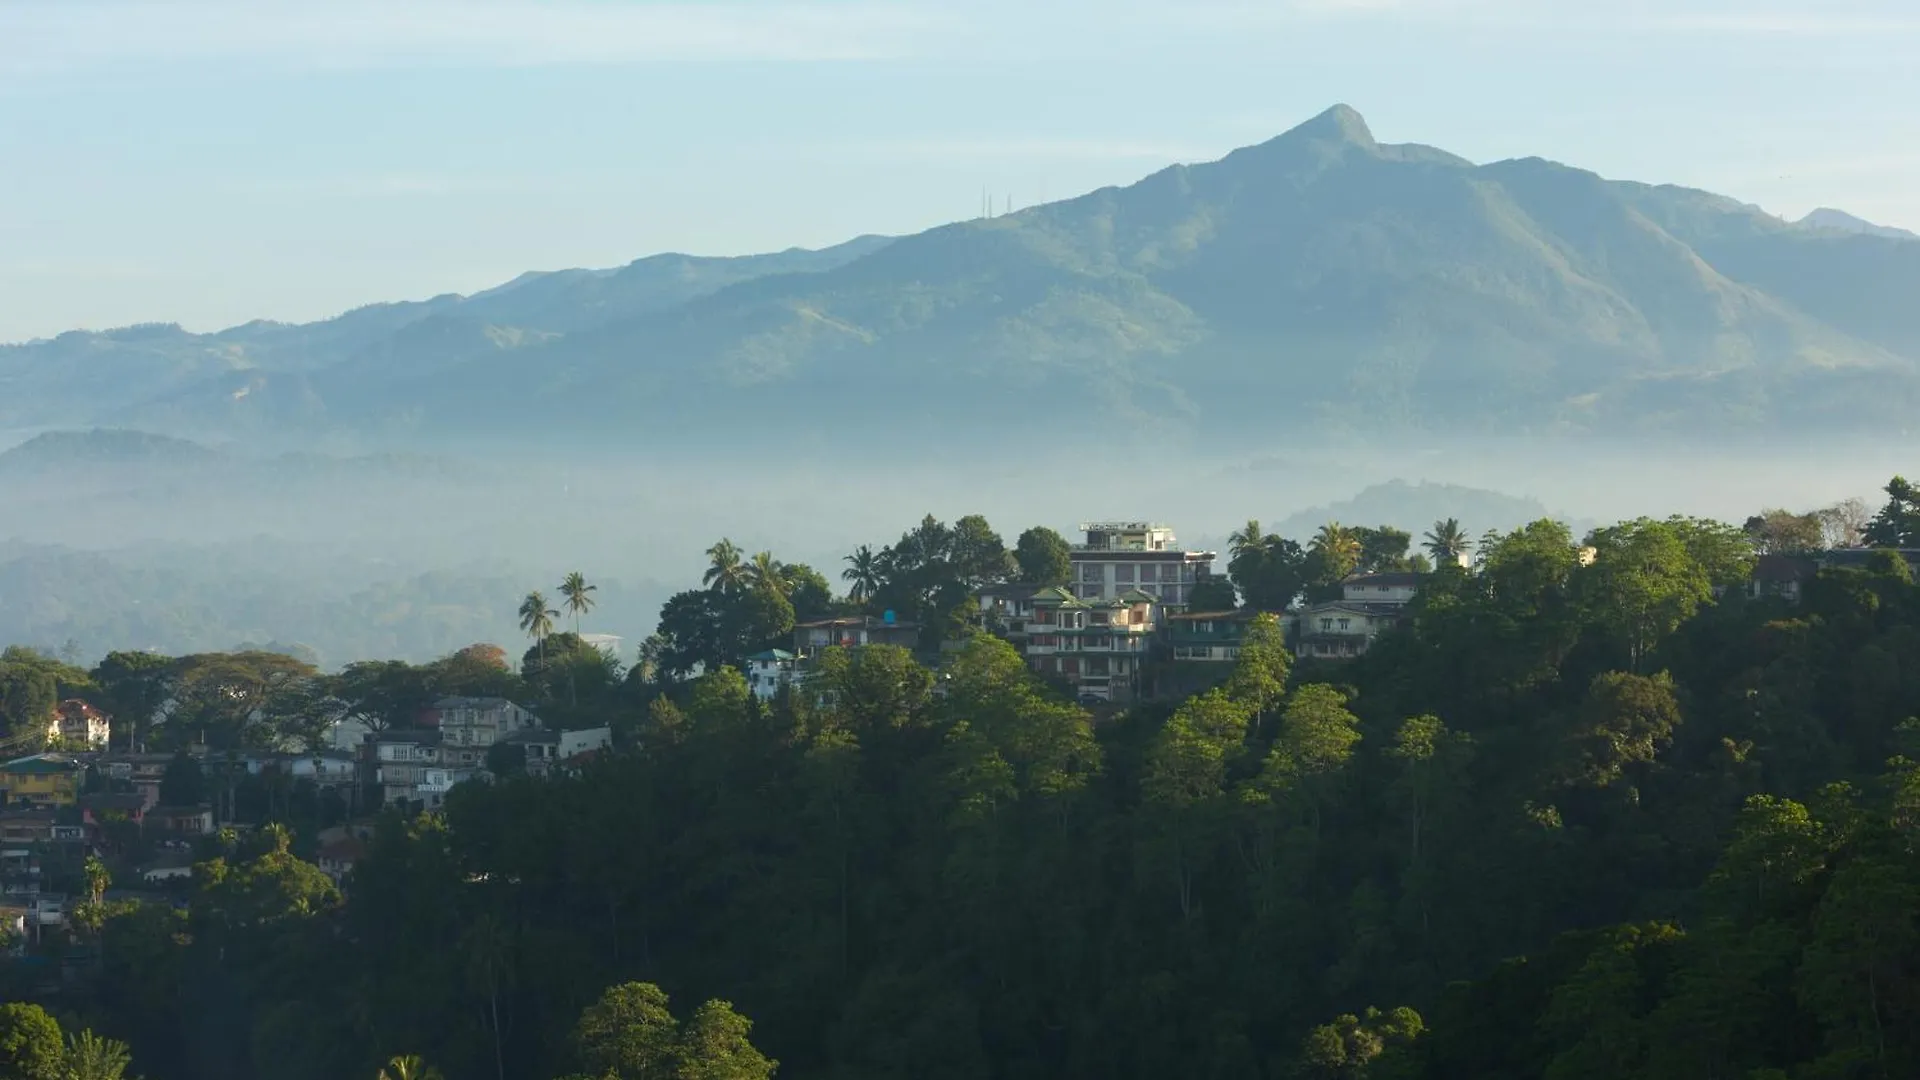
(579, 597)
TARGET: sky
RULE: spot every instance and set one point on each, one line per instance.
(208, 162)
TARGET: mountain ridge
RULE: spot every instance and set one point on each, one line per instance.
(1359, 283)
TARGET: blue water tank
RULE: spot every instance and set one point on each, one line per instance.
(887, 617)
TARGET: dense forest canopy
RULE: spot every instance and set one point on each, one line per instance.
(1597, 810)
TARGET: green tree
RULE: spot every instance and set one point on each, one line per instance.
(763, 573)
(1368, 1047)
(1213, 594)
(90, 1057)
(807, 590)
(408, 1067)
(726, 572)
(578, 596)
(30, 1043)
(1269, 571)
(1382, 548)
(1043, 557)
(1897, 525)
(132, 687)
(978, 556)
(1643, 584)
(536, 621)
(713, 1046)
(98, 878)
(629, 1033)
(1781, 532)
(1446, 543)
(184, 783)
(863, 574)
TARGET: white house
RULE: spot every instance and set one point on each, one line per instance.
(1342, 629)
(768, 671)
(584, 741)
(1384, 588)
(78, 724)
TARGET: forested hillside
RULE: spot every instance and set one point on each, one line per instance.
(1583, 818)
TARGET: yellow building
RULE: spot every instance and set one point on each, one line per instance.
(41, 780)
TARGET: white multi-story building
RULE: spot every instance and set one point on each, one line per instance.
(1119, 557)
(77, 724)
(768, 671)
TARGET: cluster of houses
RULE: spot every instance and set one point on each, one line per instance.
(449, 744)
(1123, 625)
(59, 807)
(1124, 613)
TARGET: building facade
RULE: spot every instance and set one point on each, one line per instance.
(78, 725)
(469, 726)
(768, 671)
(41, 780)
(1099, 648)
(1207, 637)
(852, 632)
(1120, 557)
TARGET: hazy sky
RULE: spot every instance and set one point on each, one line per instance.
(211, 161)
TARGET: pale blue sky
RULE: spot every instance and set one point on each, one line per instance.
(211, 161)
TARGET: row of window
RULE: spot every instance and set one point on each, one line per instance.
(1129, 573)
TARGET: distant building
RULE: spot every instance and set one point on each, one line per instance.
(469, 725)
(1782, 576)
(41, 780)
(400, 761)
(1384, 588)
(1207, 637)
(1341, 630)
(79, 725)
(610, 644)
(1119, 557)
(181, 820)
(1006, 610)
(852, 631)
(1097, 647)
(768, 671)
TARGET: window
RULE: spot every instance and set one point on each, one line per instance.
(1093, 572)
(1123, 572)
(1343, 624)
(1203, 628)
(1326, 624)
(1149, 572)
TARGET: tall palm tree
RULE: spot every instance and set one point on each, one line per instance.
(1447, 542)
(862, 574)
(1338, 544)
(765, 572)
(536, 618)
(577, 593)
(725, 572)
(1248, 538)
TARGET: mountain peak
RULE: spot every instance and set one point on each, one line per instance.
(1342, 123)
(1828, 218)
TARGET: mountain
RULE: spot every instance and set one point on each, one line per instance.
(1415, 507)
(55, 450)
(1841, 221)
(160, 374)
(1320, 281)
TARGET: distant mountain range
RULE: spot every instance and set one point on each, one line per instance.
(1318, 281)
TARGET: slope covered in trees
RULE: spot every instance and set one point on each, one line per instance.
(1598, 818)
